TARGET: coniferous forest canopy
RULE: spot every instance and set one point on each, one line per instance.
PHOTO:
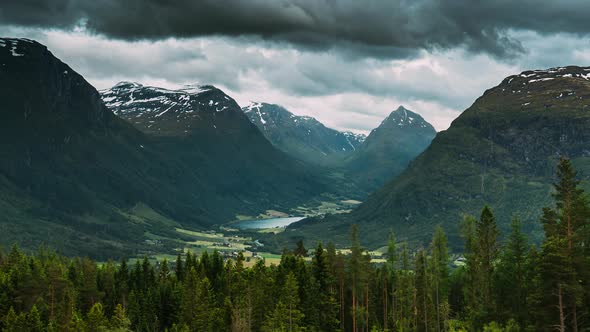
(508, 285)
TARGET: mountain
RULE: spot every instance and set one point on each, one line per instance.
(388, 149)
(80, 179)
(367, 161)
(501, 151)
(174, 113)
(70, 169)
(303, 137)
(240, 172)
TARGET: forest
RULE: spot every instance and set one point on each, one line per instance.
(511, 284)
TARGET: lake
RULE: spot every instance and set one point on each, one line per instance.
(266, 223)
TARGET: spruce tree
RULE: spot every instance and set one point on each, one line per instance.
(511, 278)
(565, 269)
(327, 305)
(440, 274)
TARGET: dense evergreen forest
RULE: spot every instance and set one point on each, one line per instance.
(509, 286)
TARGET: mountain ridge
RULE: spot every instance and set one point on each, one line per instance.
(84, 181)
(303, 137)
(388, 149)
(501, 152)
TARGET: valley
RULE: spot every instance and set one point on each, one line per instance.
(294, 166)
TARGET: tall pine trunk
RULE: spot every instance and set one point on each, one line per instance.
(561, 326)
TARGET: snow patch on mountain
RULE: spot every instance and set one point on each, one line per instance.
(536, 76)
(255, 106)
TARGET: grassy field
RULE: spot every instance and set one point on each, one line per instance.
(229, 240)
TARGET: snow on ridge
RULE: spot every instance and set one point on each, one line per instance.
(349, 143)
(124, 83)
(192, 89)
(534, 76)
(251, 106)
(255, 107)
(359, 137)
(13, 43)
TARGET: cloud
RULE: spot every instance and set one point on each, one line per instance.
(348, 93)
(393, 29)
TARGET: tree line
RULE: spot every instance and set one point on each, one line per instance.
(510, 286)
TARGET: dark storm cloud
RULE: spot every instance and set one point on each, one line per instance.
(386, 28)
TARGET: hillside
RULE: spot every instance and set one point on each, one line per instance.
(239, 171)
(368, 162)
(63, 180)
(501, 151)
(388, 149)
(303, 137)
(82, 180)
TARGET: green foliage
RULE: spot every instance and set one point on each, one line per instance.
(502, 287)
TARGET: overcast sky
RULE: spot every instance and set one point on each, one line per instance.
(348, 63)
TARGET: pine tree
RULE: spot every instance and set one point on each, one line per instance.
(565, 265)
(300, 249)
(440, 274)
(286, 315)
(179, 271)
(390, 284)
(119, 321)
(95, 320)
(405, 293)
(355, 264)
(481, 252)
(327, 305)
(487, 252)
(511, 282)
(423, 292)
(11, 321)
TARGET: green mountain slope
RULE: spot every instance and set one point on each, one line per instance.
(239, 171)
(368, 162)
(76, 177)
(501, 151)
(388, 149)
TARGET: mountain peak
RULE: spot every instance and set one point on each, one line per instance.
(63, 100)
(300, 135)
(195, 89)
(402, 108)
(403, 117)
(166, 111)
(127, 84)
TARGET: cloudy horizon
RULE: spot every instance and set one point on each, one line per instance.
(346, 64)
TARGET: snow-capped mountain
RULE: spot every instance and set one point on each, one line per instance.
(163, 111)
(208, 131)
(302, 136)
(72, 172)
